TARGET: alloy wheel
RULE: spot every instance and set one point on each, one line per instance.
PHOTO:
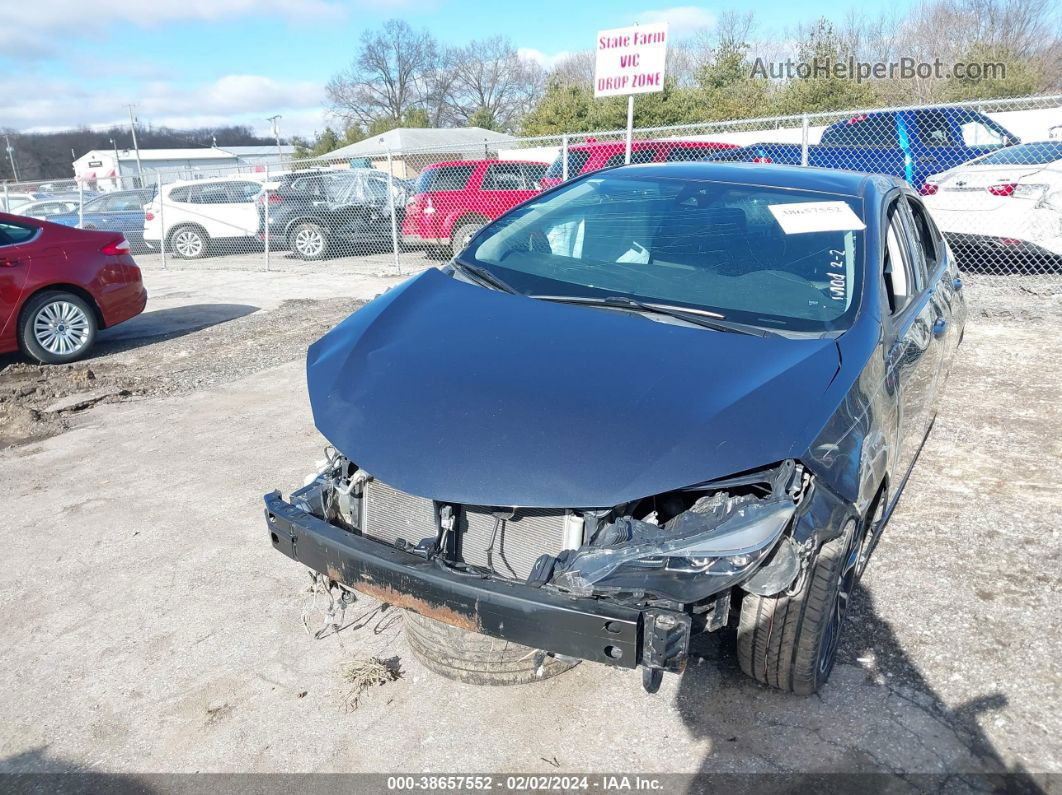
(846, 582)
(61, 328)
(188, 243)
(309, 242)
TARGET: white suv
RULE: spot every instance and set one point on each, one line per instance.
(199, 212)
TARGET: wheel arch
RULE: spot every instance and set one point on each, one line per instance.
(182, 224)
(80, 292)
(467, 217)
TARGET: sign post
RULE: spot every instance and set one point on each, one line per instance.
(630, 61)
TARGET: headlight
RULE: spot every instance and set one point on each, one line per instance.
(719, 540)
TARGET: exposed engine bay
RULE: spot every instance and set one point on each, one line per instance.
(682, 549)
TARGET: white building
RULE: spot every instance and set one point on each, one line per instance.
(413, 148)
(109, 169)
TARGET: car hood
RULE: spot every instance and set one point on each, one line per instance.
(458, 393)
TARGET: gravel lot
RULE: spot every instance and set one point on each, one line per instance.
(150, 627)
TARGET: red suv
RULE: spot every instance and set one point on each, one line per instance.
(452, 200)
(59, 285)
(595, 155)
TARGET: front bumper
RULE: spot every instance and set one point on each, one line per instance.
(589, 629)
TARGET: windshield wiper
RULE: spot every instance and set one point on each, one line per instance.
(697, 317)
(484, 276)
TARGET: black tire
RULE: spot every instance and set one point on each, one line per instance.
(473, 658)
(51, 311)
(462, 233)
(188, 242)
(309, 240)
(790, 642)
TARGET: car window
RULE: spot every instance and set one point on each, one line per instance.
(210, 193)
(533, 172)
(576, 161)
(898, 271)
(244, 191)
(688, 154)
(125, 203)
(864, 130)
(504, 176)
(915, 249)
(11, 234)
(1031, 154)
(444, 178)
(181, 194)
(928, 241)
(739, 250)
(977, 133)
(934, 128)
(56, 208)
(376, 189)
(637, 156)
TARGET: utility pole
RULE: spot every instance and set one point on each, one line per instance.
(118, 182)
(11, 156)
(136, 147)
(276, 131)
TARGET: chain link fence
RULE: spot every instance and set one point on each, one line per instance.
(989, 172)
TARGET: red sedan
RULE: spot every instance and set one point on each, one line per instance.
(59, 286)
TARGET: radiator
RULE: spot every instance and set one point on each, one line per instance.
(389, 514)
(521, 540)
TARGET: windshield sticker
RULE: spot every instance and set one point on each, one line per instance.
(798, 218)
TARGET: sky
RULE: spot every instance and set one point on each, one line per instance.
(192, 63)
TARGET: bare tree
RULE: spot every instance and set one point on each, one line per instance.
(489, 82)
(576, 68)
(392, 74)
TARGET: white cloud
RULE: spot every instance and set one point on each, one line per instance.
(545, 60)
(47, 26)
(682, 19)
(232, 99)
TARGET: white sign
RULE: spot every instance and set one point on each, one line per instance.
(630, 60)
(799, 217)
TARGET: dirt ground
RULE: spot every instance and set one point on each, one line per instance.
(150, 627)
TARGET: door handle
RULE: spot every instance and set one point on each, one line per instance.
(8, 263)
(956, 283)
(940, 327)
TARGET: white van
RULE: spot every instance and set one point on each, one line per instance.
(202, 212)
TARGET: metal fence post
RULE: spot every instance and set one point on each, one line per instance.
(804, 140)
(7, 200)
(265, 206)
(564, 158)
(391, 206)
(162, 219)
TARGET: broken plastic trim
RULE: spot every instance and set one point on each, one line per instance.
(717, 541)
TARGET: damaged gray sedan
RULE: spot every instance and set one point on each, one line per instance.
(655, 401)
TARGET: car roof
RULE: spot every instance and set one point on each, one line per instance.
(478, 162)
(827, 180)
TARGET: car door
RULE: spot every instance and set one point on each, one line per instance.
(945, 286)
(125, 212)
(912, 356)
(16, 248)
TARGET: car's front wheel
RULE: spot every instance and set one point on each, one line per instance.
(308, 240)
(57, 327)
(789, 641)
(476, 659)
